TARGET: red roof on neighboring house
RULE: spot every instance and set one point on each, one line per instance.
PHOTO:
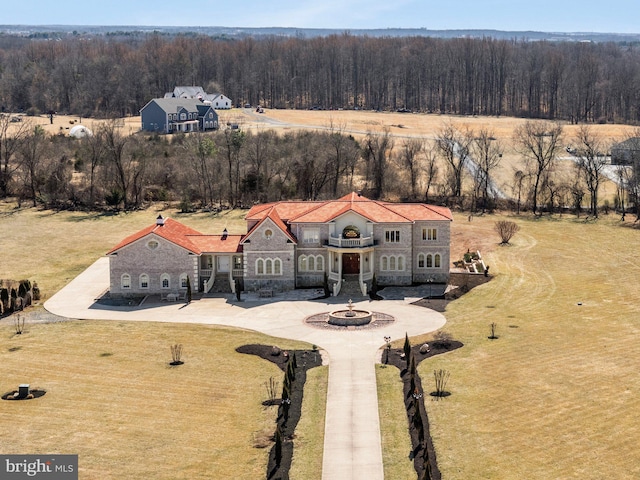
(173, 231)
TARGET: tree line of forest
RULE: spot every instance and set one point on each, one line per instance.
(232, 168)
(116, 76)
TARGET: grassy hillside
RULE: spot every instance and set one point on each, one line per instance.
(52, 247)
(557, 395)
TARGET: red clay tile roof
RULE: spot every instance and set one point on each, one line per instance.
(173, 231)
(216, 244)
(273, 215)
(375, 211)
(286, 209)
(420, 211)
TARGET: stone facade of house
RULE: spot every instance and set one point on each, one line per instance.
(292, 245)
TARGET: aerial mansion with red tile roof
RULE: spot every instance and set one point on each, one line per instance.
(288, 245)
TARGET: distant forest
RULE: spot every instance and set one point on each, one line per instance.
(115, 75)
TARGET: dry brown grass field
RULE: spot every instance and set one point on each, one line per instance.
(557, 394)
(113, 399)
(401, 125)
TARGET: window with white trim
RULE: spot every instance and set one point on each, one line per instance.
(183, 116)
(392, 263)
(268, 266)
(183, 280)
(429, 234)
(165, 280)
(144, 281)
(311, 235)
(311, 263)
(125, 281)
(392, 236)
(429, 260)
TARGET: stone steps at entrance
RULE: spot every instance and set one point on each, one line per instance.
(350, 287)
(221, 284)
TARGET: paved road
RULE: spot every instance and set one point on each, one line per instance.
(352, 448)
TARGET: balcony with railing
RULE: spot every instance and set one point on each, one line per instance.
(350, 242)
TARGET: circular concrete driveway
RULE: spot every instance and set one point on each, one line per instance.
(352, 448)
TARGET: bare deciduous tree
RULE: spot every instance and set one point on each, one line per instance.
(12, 134)
(409, 159)
(590, 161)
(506, 229)
(32, 154)
(454, 147)
(201, 151)
(430, 168)
(539, 143)
(377, 149)
(487, 152)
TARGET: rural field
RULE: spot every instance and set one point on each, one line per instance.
(555, 396)
(112, 397)
(401, 126)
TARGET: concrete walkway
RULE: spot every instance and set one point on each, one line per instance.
(352, 448)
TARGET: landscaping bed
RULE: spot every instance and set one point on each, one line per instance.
(289, 411)
(422, 450)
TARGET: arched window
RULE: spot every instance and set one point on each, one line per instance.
(268, 266)
(392, 263)
(421, 260)
(302, 263)
(429, 261)
(183, 280)
(320, 263)
(437, 260)
(125, 281)
(144, 281)
(165, 280)
(312, 262)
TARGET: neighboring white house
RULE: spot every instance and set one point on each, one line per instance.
(288, 245)
(217, 100)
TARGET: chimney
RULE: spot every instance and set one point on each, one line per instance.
(224, 234)
(160, 220)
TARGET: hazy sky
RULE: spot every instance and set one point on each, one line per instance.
(611, 16)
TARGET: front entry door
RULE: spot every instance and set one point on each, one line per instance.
(350, 263)
(223, 264)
